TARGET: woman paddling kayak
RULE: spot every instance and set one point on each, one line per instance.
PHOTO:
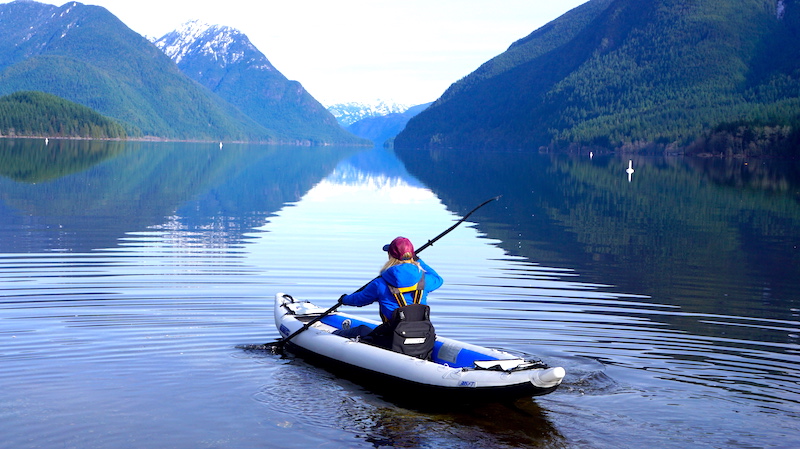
(404, 280)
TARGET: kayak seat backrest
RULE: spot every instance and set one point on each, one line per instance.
(412, 332)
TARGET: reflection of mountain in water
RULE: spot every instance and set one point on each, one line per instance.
(376, 166)
(37, 160)
(676, 232)
(187, 186)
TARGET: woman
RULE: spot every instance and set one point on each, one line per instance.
(404, 279)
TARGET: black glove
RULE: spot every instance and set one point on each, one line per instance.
(341, 299)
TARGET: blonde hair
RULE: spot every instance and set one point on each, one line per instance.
(393, 262)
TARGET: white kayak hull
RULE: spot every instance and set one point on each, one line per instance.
(459, 371)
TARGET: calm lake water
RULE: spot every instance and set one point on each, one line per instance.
(130, 272)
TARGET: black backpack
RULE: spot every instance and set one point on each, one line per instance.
(412, 332)
(409, 330)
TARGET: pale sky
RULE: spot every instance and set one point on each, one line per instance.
(408, 51)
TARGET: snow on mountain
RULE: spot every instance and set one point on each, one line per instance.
(224, 60)
(348, 113)
(223, 44)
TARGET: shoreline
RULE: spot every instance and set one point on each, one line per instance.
(305, 143)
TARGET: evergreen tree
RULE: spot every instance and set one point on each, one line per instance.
(31, 113)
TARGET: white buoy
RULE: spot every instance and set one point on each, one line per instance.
(220, 145)
(629, 171)
(46, 140)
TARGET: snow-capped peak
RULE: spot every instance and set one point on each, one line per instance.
(179, 42)
(224, 44)
(349, 113)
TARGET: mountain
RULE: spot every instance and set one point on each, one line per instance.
(41, 114)
(660, 75)
(349, 113)
(384, 127)
(86, 55)
(225, 61)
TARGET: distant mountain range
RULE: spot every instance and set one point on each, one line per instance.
(713, 76)
(381, 128)
(86, 55)
(348, 113)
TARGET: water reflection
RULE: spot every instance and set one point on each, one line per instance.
(523, 424)
(382, 424)
(37, 160)
(712, 242)
(130, 278)
(118, 188)
(657, 236)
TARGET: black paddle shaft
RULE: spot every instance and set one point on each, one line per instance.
(432, 241)
(285, 340)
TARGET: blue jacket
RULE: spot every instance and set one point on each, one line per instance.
(403, 275)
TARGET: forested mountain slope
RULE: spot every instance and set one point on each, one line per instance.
(660, 75)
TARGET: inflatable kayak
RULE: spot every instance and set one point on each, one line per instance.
(456, 371)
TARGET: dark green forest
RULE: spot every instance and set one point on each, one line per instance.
(683, 76)
(40, 114)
